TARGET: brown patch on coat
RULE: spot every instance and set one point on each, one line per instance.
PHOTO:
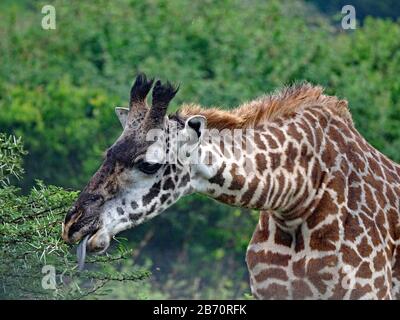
(301, 290)
(227, 198)
(293, 132)
(274, 291)
(354, 197)
(259, 143)
(299, 268)
(238, 180)
(325, 237)
(275, 160)
(364, 248)
(351, 225)
(283, 238)
(271, 273)
(337, 184)
(291, 156)
(261, 234)
(329, 154)
(271, 258)
(364, 271)
(299, 246)
(326, 207)
(278, 134)
(263, 197)
(315, 272)
(270, 141)
(359, 291)
(219, 178)
(153, 192)
(281, 184)
(261, 162)
(350, 256)
(379, 261)
(251, 188)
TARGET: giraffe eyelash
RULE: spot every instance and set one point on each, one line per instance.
(147, 167)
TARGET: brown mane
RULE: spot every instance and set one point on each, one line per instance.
(270, 107)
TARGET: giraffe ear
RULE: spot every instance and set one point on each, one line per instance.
(196, 123)
(190, 139)
(122, 114)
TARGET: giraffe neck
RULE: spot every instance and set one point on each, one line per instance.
(329, 225)
(347, 245)
(273, 167)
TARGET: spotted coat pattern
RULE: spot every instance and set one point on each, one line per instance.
(329, 224)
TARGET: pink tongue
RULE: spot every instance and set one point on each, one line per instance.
(81, 253)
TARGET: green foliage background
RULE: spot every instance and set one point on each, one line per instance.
(58, 89)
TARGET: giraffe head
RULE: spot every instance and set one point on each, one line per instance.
(140, 175)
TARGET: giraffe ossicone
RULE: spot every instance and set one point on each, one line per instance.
(329, 224)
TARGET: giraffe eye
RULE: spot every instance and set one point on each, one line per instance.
(148, 167)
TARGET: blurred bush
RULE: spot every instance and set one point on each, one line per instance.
(65, 129)
(58, 90)
(364, 8)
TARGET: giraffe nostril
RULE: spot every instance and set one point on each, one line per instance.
(73, 214)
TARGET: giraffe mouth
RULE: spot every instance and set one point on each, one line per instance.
(97, 242)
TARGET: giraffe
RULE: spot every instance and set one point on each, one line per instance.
(329, 225)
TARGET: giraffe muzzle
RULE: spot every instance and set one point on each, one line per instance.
(83, 218)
